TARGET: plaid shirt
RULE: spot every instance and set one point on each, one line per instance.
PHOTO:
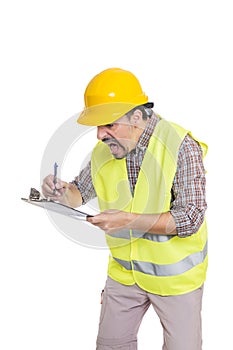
(188, 202)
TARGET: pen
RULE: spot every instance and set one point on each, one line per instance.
(55, 177)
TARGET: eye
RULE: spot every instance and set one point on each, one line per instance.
(109, 125)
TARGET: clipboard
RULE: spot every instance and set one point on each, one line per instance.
(55, 207)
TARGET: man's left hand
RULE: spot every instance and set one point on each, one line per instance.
(112, 221)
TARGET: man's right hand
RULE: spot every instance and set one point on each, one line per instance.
(63, 192)
(49, 190)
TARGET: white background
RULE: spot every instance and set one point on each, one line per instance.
(181, 51)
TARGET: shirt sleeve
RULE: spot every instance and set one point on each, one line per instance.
(84, 184)
(188, 203)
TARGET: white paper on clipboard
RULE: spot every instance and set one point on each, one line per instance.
(58, 208)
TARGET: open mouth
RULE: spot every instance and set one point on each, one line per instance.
(114, 147)
(113, 144)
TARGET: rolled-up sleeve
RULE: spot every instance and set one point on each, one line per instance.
(188, 203)
(84, 183)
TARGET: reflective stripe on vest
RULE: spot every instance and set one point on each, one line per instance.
(139, 234)
(166, 270)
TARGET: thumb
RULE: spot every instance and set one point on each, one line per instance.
(61, 184)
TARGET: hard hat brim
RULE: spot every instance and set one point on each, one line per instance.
(105, 113)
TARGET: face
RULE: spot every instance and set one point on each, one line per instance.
(121, 136)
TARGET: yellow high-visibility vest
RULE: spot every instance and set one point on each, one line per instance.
(159, 264)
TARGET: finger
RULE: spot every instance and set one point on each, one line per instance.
(48, 183)
(91, 219)
(47, 190)
(61, 184)
(95, 220)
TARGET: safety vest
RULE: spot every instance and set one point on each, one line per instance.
(159, 264)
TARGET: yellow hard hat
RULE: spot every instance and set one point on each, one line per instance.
(109, 95)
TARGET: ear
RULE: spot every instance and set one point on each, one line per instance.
(136, 117)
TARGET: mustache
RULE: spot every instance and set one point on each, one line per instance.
(109, 140)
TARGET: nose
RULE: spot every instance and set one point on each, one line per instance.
(101, 132)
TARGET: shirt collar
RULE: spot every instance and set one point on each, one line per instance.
(144, 139)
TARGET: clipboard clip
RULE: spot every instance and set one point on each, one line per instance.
(34, 195)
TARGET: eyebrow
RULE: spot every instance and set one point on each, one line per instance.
(110, 124)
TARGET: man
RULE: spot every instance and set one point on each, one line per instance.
(149, 178)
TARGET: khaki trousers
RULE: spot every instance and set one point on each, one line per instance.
(123, 308)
